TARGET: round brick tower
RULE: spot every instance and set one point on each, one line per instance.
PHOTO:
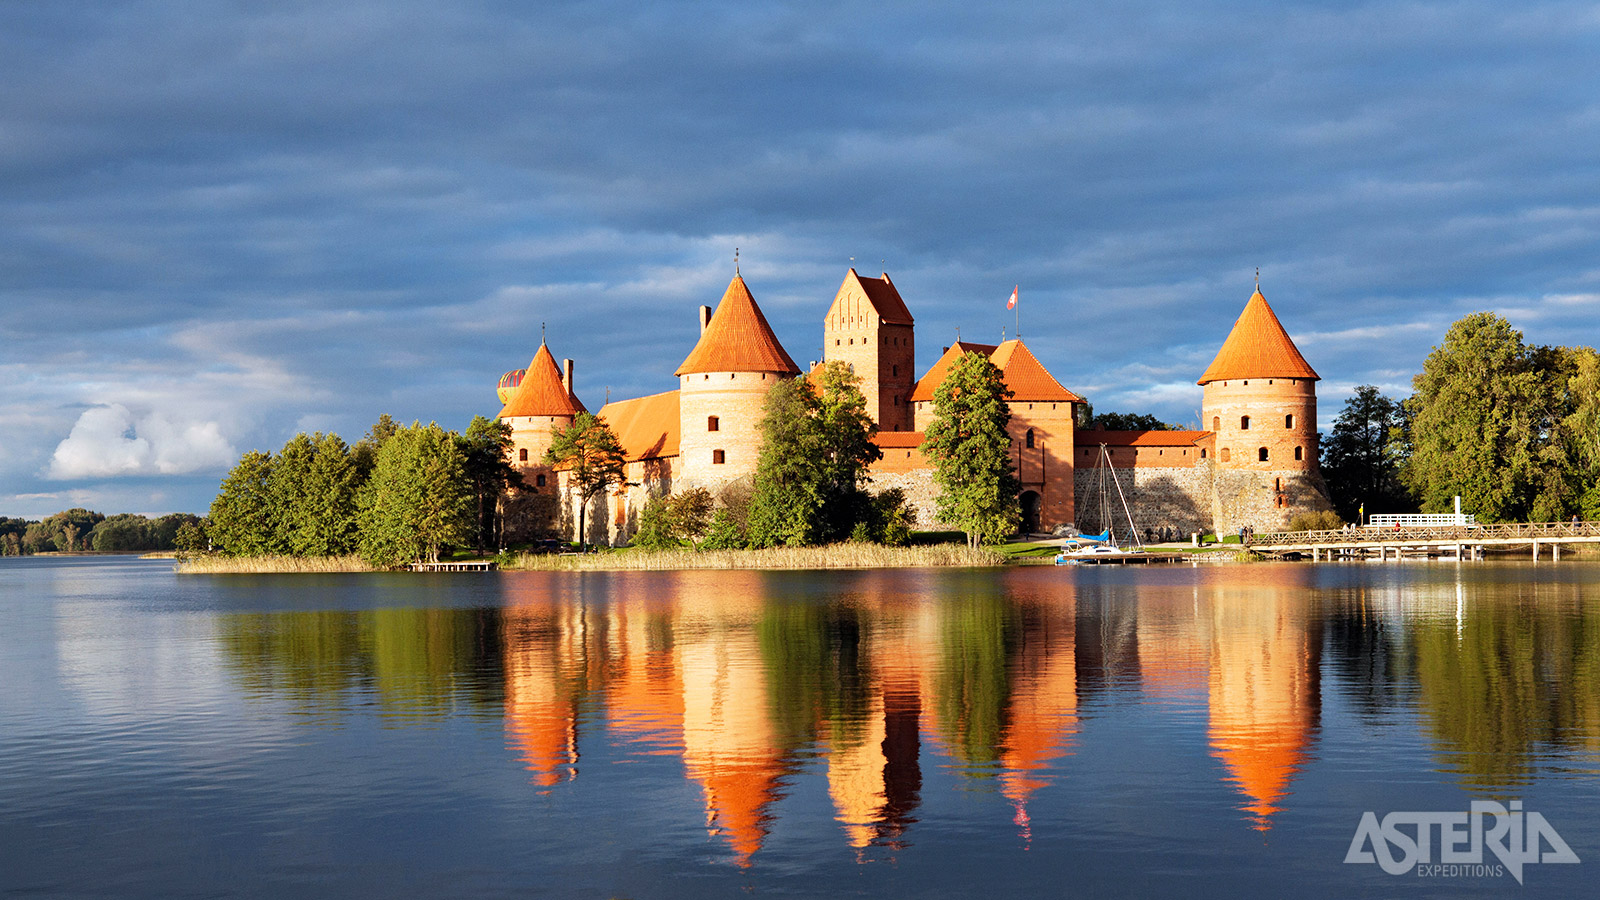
(1260, 402)
(541, 401)
(721, 388)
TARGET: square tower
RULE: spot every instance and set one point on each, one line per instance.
(869, 328)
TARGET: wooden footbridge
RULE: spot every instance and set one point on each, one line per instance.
(1458, 541)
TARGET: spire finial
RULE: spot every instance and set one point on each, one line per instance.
(1258, 279)
(541, 334)
(736, 260)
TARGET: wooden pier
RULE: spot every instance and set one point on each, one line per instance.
(476, 565)
(1125, 559)
(1451, 541)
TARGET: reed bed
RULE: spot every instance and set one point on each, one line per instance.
(834, 556)
(229, 565)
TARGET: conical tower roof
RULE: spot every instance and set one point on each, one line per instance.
(1258, 347)
(541, 392)
(738, 339)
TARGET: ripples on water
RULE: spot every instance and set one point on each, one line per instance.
(918, 733)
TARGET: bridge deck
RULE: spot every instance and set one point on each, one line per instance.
(1460, 538)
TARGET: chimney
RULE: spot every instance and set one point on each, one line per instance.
(566, 374)
(705, 318)
(943, 350)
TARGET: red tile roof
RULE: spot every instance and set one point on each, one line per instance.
(738, 339)
(1139, 438)
(1024, 375)
(898, 440)
(541, 392)
(884, 298)
(1258, 347)
(646, 427)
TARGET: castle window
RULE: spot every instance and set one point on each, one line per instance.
(718, 457)
(1202, 453)
(522, 455)
(539, 481)
(852, 340)
(837, 342)
(1225, 454)
(1247, 382)
(1261, 454)
(706, 377)
(711, 423)
(1299, 453)
(732, 375)
(1216, 423)
(1244, 423)
(1288, 421)
(1277, 484)
(1029, 438)
(896, 370)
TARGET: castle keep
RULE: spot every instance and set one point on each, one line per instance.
(1255, 466)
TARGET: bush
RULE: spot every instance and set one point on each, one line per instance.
(1326, 520)
(1230, 539)
(724, 533)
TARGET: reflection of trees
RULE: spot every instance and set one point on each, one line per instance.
(972, 681)
(1514, 675)
(1364, 650)
(818, 671)
(419, 661)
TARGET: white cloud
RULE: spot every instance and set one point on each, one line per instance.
(110, 441)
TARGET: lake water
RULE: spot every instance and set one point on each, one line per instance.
(1211, 731)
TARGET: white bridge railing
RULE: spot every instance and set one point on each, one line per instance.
(1426, 520)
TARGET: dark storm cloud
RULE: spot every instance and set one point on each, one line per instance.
(233, 221)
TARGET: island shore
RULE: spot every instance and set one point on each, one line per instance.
(836, 556)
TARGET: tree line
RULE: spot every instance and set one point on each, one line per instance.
(78, 529)
(1513, 429)
(399, 494)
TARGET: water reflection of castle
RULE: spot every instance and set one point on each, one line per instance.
(745, 688)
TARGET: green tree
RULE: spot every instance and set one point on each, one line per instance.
(786, 506)
(364, 455)
(671, 521)
(816, 448)
(848, 451)
(1130, 422)
(970, 450)
(593, 461)
(314, 488)
(243, 516)
(1362, 458)
(1479, 422)
(123, 532)
(486, 450)
(724, 532)
(165, 529)
(1580, 429)
(11, 532)
(417, 500)
(67, 531)
(190, 538)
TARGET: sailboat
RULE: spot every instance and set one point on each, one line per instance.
(1105, 543)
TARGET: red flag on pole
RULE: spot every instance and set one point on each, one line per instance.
(1012, 303)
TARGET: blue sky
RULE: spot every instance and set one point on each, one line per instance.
(222, 223)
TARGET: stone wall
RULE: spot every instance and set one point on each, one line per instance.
(1170, 500)
(921, 491)
(1265, 501)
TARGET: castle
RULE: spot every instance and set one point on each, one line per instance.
(1255, 467)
